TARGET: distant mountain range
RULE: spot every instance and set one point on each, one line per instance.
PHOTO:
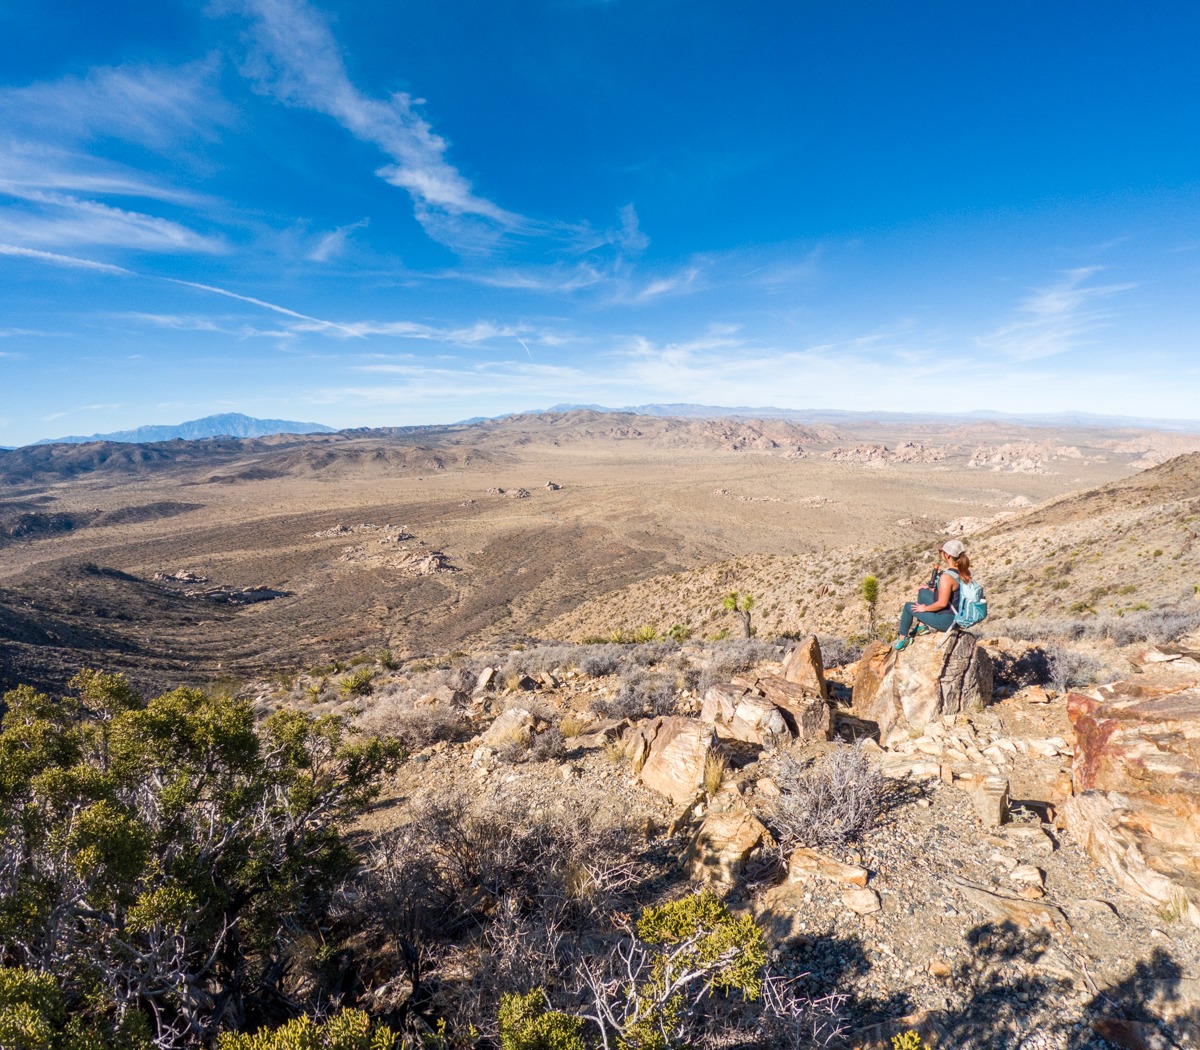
(228, 424)
(833, 415)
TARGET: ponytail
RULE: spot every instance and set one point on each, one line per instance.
(962, 565)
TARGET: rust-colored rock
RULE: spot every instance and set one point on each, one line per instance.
(669, 754)
(933, 677)
(804, 667)
(1136, 778)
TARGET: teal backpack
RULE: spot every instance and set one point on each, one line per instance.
(972, 603)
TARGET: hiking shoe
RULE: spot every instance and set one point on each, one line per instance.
(923, 629)
(900, 643)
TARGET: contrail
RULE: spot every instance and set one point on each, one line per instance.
(522, 342)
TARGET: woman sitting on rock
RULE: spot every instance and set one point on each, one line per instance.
(937, 605)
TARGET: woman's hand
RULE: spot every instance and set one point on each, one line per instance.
(918, 608)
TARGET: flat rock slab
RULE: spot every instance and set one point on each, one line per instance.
(806, 863)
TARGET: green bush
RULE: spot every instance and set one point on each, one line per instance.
(359, 683)
(346, 1030)
(527, 1024)
(170, 852)
(34, 1016)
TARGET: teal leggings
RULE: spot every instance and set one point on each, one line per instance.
(939, 621)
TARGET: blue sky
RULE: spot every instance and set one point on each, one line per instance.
(382, 213)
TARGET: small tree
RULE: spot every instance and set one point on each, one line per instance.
(870, 595)
(161, 859)
(740, 605)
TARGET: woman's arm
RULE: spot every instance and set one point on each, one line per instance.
(946, 585)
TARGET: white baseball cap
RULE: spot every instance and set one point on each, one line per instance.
(955, 548)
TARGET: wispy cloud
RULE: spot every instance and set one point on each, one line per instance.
(63, 260)
(333, 243)
(61, 220)
(1056, 318)
(152, 106)
(297, 59)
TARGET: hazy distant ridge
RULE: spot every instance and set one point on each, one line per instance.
(228, 424)
(837, 415)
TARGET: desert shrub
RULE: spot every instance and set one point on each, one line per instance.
(573, 724)
(1154, 625)
(599, 661)
(172, 852)
(640, 693)
(345, 1030)
(358, 683)
(548, 745)
(34, 1016)
(732, 657)
(651, 992)
(527, 884)
(829, 802)
(1069, 668)
(526, 1023)
(715, 767)
(394, 715)
(837, 651)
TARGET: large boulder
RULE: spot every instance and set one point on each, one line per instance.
(808, 715)
(1136, 778)
(804, 667)
(935, 676)
(669, 754)
(738, 713)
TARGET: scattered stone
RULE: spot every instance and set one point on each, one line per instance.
(1022, 913)
(180, 576)
(601, 734)
(514, 726)
(738, 714)
(808, 715)
(425, 563)
(861, 901)
(486, 680)
(990, 796)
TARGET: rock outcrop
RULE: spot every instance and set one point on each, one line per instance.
(804, 667)
(934, 677)
(722, 845)
(738, 713)
(669, 754)
(1136, 778)
(773, 710)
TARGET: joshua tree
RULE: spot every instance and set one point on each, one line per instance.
(870, 595)
(741, 604)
